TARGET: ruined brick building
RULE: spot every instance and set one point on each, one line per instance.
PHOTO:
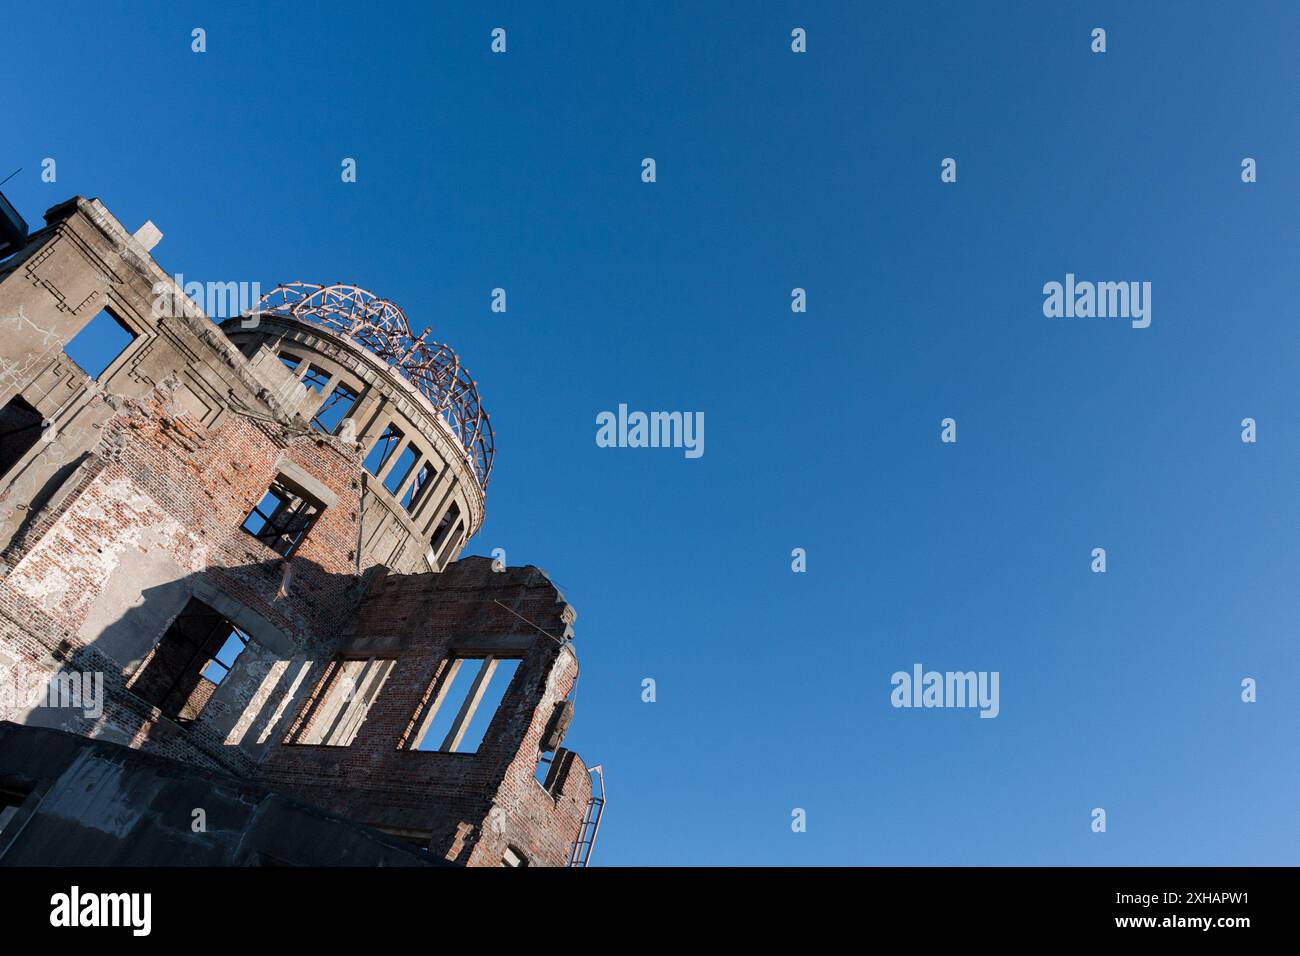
(248, 534)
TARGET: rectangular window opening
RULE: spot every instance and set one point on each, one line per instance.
(224, 659)
(194, 655)
(99, 343)
(543, 769)
(413, 493)
(453, 542)
(445, 524)
(334, 409)
(291, 362)
(21, 426)
(459, 713)
(316, 379)
(397, 475)
(383, 450)
(283, 517)
(343, 704)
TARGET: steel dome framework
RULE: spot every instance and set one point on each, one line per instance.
(382, 328)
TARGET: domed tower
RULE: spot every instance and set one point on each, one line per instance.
(361, 371)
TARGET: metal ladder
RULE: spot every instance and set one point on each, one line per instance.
(580, 849)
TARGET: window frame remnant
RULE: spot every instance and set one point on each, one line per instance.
(336, 712)
(342, 395)
(419, 485)
(315, 378)
(216, 660)
(176, 668)
(455, 541)
(446, 536)
(386, 444)
(293, 515)
(468, 702)
(444, 528)
(402, 468)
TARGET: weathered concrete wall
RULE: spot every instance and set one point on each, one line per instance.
(90, 801)
(84, 261)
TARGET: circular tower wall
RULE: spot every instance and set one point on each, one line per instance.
(426, 443)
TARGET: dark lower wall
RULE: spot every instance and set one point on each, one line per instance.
(91, 803)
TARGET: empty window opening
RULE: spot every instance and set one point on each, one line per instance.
(351, 687)
(514, 857)
(557, 771)
(282, 518)
(542, 771)
(445, 525)
(178, 677)
(316, 379)
(334, 409)
(224, 659)
(99, 343)
(291, 362)
(401, 469)
(453, 542)
(413, 493)
(461, 710)
(383, 450)
(20, 428)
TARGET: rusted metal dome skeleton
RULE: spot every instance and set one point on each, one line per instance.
(382, 328)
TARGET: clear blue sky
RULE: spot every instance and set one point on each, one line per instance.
(778, 170)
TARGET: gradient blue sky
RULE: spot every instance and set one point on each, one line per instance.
(822, 430)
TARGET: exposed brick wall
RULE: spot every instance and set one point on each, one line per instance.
(191, 490)
(166, 485)
(421, 620)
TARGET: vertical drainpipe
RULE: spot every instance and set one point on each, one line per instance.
(361, 519)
